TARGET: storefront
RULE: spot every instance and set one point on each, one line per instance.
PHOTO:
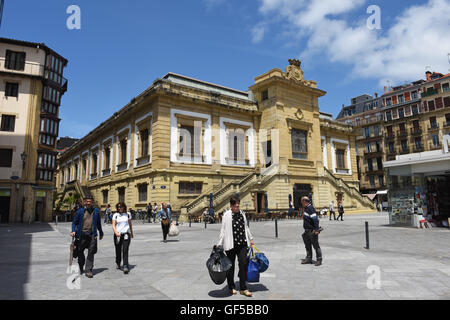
(419, 187)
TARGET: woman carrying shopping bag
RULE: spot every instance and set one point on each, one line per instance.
(165, 215)
(123, 232)
(235, 237)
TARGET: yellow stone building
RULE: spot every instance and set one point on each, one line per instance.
(183, 139)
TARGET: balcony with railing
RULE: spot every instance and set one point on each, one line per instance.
(429, 92)
(433, 127)
(29, 68)
(416, 131)
(404, 150)
(389, 136)
(402, 134)
(435, 146)
(122, 167)
(418, 148)
(33, 69)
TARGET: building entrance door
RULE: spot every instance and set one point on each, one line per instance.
(260, 202)
(5, 202)
(39, 209)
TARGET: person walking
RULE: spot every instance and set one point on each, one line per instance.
(155, 212)
(311, 234)
(235, 237)
(341, 211)
(165, 215)
(123, 233)
(149, 209)
(332, 212)
(84, 227)
(107, 213)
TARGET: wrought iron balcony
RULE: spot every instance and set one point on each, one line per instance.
(389, 136)
(434, 126)
(402, 133)
(429, 92)
(416, 131)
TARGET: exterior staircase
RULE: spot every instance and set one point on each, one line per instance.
(76, 187)
(221, 196)
(352, 192)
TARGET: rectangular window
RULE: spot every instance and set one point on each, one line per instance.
(372, 181)
(265, 95)
(376, 131)
(381, 181)
(144, 142)
(15, 60)
(121, 192)
(379, 164)
(431, 105)
(418, 143)
(414, 95)
(190, 187)
(370, 165)
(340, 157)
(378, 145)
(391, 147)
(404, 145)
(388, 116)
(401, 113)
(123, 151)
(367, 132)
(12, 89)
(415, 110)
(299, 144)
(6, 158)
(94, 163)
(401, 99)
(435, 140)
(142, 188)
(433, 122)
(107, 157)
(8, 123)
(369, 147)
(105, 196)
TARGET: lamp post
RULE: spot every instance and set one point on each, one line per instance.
(23, 156)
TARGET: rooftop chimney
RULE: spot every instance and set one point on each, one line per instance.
(428, 75)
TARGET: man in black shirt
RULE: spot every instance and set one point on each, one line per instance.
(311, 234)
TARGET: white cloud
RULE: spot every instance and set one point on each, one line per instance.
(418, 37)
(258, 32)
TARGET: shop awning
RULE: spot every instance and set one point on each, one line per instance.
(382, 192)
(371, 196)
(428, 163)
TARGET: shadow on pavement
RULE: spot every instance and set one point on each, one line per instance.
(15, 257)
(98, 270)
(222, 293)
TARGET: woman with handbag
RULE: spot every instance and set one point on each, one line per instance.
(165, 215)
(235, 237)
(123, 232)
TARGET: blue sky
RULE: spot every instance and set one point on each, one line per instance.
(123, 47)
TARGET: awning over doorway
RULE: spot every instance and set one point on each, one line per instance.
(371, 196)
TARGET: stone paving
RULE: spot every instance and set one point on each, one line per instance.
(412, 263)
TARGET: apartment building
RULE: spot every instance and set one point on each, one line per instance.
(31, 88)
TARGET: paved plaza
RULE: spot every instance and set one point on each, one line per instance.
(412, 263)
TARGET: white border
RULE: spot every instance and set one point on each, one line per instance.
(324, 153)
(174, 136)
(333, 155)
(136, 140)
(223, 142)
